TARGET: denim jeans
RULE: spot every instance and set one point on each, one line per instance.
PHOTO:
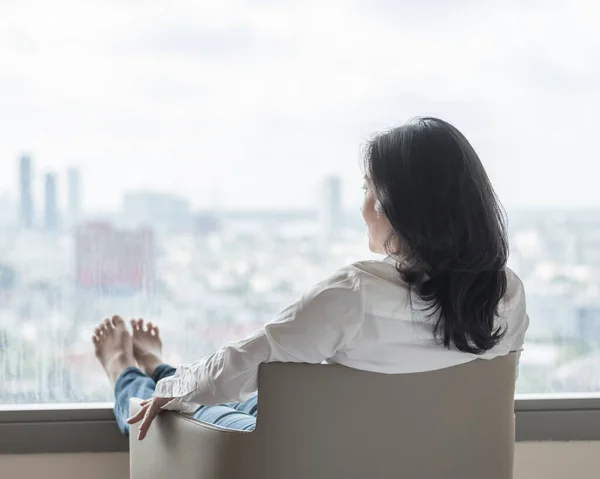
(132, 382)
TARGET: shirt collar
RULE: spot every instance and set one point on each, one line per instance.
(390, 260)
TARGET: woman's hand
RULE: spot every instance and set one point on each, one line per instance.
(150, 408)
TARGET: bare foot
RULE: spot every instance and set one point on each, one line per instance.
(114, 348)
(147, 346)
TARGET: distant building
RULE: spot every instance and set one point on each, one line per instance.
(73, 194)
(554, 315)
(25, 193)
(50, 204)
(588, 323)
(114, 261)
(159, 211)
(8, 276)
(206, 224)
(8, 281)
(330, 208)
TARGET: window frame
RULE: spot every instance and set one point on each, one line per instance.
(34, 429)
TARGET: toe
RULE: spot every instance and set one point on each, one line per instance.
(149, 327)
(140, 324)
(133, 324)
(98, 332)
(107, 324)
(117, 321)
(95, 339)
(155, 330)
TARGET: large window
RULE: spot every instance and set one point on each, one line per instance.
(197, 164)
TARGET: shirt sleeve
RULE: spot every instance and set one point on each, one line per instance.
(322, 322)
(520, 318)
(520, 342)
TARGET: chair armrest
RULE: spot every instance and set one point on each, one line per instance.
(180, 446)
(135, 404)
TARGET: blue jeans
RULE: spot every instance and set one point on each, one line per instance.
(134, 383)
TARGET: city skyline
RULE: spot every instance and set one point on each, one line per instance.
(71, 197)
(38, 193)
(38, 202)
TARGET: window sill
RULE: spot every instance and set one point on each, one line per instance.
(59, 428)
(574, 417)
(73, 428)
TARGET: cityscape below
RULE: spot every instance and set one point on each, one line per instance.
(207, 277)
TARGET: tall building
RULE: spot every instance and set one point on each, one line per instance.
(206, 224)
(25, 192)
(160, 211)
(74, 194)
(114, 261)
(50, 204)
(330, 208)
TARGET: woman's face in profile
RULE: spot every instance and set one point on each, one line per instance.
(378, 226)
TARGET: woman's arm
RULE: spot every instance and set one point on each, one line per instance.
(323, 321)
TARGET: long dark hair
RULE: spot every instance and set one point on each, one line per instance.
(449, 228)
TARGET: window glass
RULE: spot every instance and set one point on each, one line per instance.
(197, 164)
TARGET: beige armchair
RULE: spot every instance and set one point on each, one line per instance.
(330, 422)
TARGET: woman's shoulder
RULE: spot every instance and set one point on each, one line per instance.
(514, 286)
(384, 271)
(363, 285)
(362, 275)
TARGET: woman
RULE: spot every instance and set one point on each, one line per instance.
(441, 297)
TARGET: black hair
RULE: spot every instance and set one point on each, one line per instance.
(449, 228)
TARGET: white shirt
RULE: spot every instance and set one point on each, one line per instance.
(359, 317)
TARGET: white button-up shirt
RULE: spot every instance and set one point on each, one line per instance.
(360, 317)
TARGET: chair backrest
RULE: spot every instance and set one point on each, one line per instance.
(331, 421)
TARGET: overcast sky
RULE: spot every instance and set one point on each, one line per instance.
(250, 103)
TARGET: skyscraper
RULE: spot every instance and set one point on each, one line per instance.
(74, 193)
(51, 207)
(25, 193)
(330, 208)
